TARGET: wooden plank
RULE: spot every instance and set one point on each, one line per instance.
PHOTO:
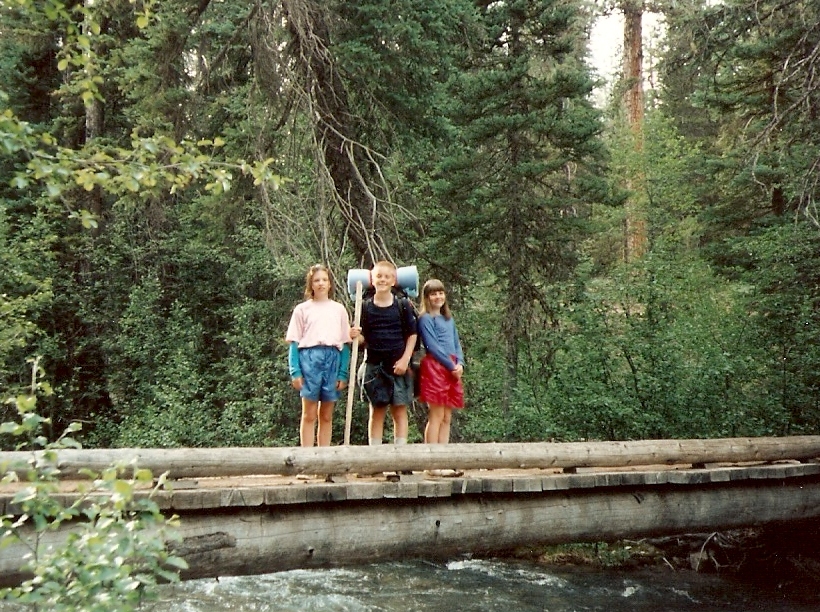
(719, 475)
(805, 469)
(285, 495)
(242, 496)
(365, 490)
(194, 463)
(196, 499)
(401, 490)
(581, 481)
(686, 477)
(557, 482)
(439, 488)
(467, 486)
(528, 484)
(496, 485)
(326, 492)
(215, 493)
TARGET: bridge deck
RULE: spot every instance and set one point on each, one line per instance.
(210, 493)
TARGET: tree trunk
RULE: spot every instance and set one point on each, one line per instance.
(334, 127)
(633, 66)
(93, 128)
(636, 234)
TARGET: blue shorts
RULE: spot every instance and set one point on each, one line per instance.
(384, 388)
(320, 371)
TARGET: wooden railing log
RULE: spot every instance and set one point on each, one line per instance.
(245, 461)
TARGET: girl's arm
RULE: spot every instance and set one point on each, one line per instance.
(344, 364)
(459, 351)
(431, 343)
(293, 361)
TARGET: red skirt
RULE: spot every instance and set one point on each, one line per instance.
(438, 385)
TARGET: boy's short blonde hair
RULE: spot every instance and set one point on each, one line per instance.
(387, 265)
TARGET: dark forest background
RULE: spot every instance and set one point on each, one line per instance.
(617, 271)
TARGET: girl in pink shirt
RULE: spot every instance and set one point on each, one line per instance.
(319, 354)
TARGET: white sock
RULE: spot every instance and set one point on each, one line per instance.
(375, 441)
(400, 441)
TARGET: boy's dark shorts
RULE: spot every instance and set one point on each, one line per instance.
(384, 388)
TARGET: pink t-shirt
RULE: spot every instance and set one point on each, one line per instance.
(322, 323)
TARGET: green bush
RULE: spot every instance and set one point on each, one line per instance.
(114, 551)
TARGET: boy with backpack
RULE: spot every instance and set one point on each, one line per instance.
(389, 331)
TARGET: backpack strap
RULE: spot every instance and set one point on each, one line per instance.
(403, 315)
(363, 316)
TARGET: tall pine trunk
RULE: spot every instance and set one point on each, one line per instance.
(633, 99)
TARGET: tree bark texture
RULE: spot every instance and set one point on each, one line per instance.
(336, 533)
(636, 233)
(633, 65)
(334, 127)
(204, 462)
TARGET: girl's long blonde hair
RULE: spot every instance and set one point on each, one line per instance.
(431, 286)
(309, 281)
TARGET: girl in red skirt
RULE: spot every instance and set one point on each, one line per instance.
(443, 364)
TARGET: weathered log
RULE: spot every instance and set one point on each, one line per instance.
(250, 542)
(203, 462)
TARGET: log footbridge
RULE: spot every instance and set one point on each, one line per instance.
(255, 510)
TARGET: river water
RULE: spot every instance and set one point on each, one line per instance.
(473, 585)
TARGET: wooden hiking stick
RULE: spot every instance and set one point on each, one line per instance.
(354, 358)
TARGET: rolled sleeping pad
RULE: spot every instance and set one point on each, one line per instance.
(408, 279)
(353, 277)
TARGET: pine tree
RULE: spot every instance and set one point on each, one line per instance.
(527, 168)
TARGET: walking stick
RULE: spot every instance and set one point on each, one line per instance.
(354, 357)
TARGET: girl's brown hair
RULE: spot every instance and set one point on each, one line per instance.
(431, 286)
(309, 280)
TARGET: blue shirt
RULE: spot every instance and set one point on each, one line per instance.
(440, 338)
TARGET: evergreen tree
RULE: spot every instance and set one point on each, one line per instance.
(526, 169)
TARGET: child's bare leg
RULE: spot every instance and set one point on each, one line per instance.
(325, 423)
(435, 415)
(375, 427)
(444, 429)
(310, 408)
(400, 426)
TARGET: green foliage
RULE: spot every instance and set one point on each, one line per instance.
(486, 420)
(660, 351)
(156, 383)
(784, 307)
(25, 287)
(412, 54)
(118, 172)
(153, 253)
(517, 185)
(114, 551)
(749, 68)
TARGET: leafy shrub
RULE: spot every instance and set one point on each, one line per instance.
(114, 548)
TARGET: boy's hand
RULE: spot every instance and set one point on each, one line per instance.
(400, 367)
(355, 332)
(341, 384)
(296, 383)
(459, 371)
